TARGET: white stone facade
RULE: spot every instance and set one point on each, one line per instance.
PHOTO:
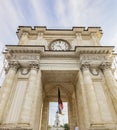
(82, 70)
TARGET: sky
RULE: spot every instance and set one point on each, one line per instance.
(57, 14)
(53, 108)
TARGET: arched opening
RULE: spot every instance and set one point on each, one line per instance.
(64, 80)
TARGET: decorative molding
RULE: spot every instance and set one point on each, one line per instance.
(105, 66)
(94, 71)
(24, 71)
(85, 66)
(34, 65)
(98, 50)
(95, 60)
(14, 65)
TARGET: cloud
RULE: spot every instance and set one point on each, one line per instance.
(78, 12)
(2, 73)
(11, 17)
(57, 13)
(39, 12)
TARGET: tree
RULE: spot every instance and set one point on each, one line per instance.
(66, 126)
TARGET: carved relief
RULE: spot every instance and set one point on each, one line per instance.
(105, 65)
(34, 65)
(95, 60)
(85, 66)
(24, 71)
(94, 71)
(8, 55)
(14, 65)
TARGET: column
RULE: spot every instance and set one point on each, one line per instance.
(45, 115)
(91, 97)
(111, 83)
(26, 113)
(38, 104)
(81, 102)
(7, 86)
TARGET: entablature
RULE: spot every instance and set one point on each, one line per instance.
(37, 54)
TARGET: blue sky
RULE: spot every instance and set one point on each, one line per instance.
(58, 14)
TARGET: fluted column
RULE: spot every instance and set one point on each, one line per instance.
(38, 104)
(26, 113)
(111, 83)
(91, 97)
(6, 87)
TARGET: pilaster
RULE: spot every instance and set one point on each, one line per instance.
(38, 104)
(110, 82)
(91, 97)
(24, 39)
(7, 86)
(26, 113)
(81, 101)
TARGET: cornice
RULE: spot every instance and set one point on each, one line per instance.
(79, 50)
(94, 49)
(24, 49)
(93, 54)
(75, 30)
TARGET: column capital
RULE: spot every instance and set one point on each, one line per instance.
(13, 65)
(94, 70)
(85, 66)
(105, 66)
(34, 65)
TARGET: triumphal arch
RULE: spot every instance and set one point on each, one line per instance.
(71, 59)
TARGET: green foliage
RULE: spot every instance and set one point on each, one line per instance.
(66, 126)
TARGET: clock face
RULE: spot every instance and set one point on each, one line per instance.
(59, 45)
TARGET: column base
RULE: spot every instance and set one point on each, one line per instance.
(12, 126)
(103, 127)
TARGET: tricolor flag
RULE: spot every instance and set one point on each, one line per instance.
(60, 103)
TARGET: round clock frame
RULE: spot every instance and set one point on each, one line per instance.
(59, 45)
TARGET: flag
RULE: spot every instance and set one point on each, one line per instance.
(60, 103)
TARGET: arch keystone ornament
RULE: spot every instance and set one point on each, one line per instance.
(71, 59)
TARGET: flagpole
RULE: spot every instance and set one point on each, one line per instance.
(60, 103)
